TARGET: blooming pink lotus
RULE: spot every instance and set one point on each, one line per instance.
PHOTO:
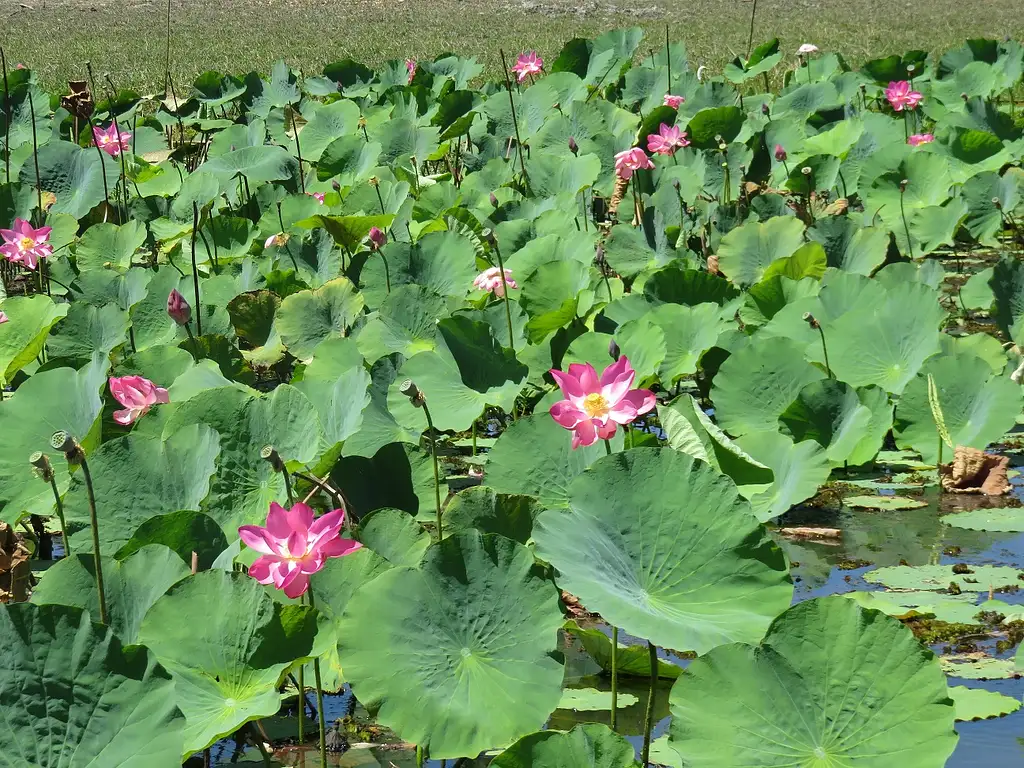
(901, 96)
(807, 48)
(528, 64)
(410, 67)
(25, 245)
(4, 318)
(667, 140)
(294, 546)
(593, 408)
(490, 280)
(137, 395)
(377, 238)
(630, 160)
(112, 140)
(920, 138)
(178, 308)
(673, 101)
(318, 196)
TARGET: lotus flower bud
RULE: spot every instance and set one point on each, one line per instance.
(613, 350)
(573, 147)
(780, 153)
(178, 308)
(765, 110)
(336, 186)
(377, 238)
(494, 200)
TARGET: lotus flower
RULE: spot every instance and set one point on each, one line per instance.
(780, 153)
(901, 96)
(377, 238)
(490, 280)
(178, 308)
(920, 138)
(25, 245)
(807, 48)
(4, 318)
(318, 196)
(279, 240)
(667, 140)
(528, 64)
(410, 66)
(593, 408)
(631, 160)
(673, 101)
(111, 140)
(294, 546)
(137, 395)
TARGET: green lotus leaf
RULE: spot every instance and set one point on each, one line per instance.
(849, 424)
(978, 407)
(590, 745)
(137, 477)
(349, 158)
(798, 470)
(644, 343)
(131, 585)
(762, 59)
(979, 578)
(336, 383)
(425, 668)
(688, 429)
(830, 682)
(58, 399)
(487, 511)
(629, 252)
(676, 285)
(26, 114)
(962, 609)
(228, 663)
(398, 475)
(985, 668)
(379, 427)
(257, 165)
(849, 247)
(780, 296)
(987, 195)
(74, 174)
(403, 139)
(756, 384)
(747, 251)
(615, 549)
(688, 333)
(108, 244)
(593, 700)
(88, 329)
(442, 262)
(551, 175)
(710, 127)
(185, 532)
(261, 96)
(252, 315)
(406, 322)
(347, 231)
(633, 660)
(215, 90)
(307, 318)
(394, 535)
(550, 296)
(534, 457)
(979, 704)
(327, 123)
(30, 319)
(104, 704)
(883, 502)
(1008, 519)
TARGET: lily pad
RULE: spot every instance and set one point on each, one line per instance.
(883, 502)
(979, 667)
(980, 579)
(593, 700)
(631, 660)
(979, 704)
(1003, 519)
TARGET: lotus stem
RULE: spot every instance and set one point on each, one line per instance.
(903, 215)
(117, 132)
(7, 117)
(649, 714)
(813, 322)
(504, 297)
(515, 120)
(167, 59)
(35, 157)
(270, 455)
(419, 756)
(195, 344)
(287, 246)
(301, 685)
(615, 674)
(103, 171)
(668, 52)
(437, 479)
(298, 152)
(257, 739)
(195, 269)
(319, 695)
(41, 462)
(75, 456)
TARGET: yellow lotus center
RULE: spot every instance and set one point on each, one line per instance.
(27, 243)
(595, 406)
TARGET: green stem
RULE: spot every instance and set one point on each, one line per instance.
(938, 465)
(824, 350)
(319, 694)
(195, 344)
(95, 540)
(615, 674)
(906, 228)
(419, 756)
(302, 706)
(508, 309)
(649, 714)
(474, 438)
(437, 477)
(195, 269)
(257, 739)
(60, 516)
(287, 485)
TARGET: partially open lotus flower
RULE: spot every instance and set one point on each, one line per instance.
(377, 238)
(293, 546)
(318, 196)
(410, 67)
(901, 96)
(278, 239)
(594, 407)
(178, 308)
(807, 48)
(137, 395)
(490, 280)
(25, 245)
(630, 160)
(112, 140)
(528, 64)
(3, 318)
(673, 101)
(667, 140)
(920, 138)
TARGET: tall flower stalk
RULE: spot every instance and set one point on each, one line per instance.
(41, 462)
(419, 400)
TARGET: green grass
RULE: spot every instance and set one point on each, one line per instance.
(127, 38)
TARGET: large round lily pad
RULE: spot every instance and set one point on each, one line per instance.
(586, 746)
(830, 685)
(663, 546)
(455, 653)
(978, 578)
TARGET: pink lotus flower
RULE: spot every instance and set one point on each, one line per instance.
(920, 138)
(4, 318)
(807, 48)
(901, 97)
(294, 546)
(593, 408)
(667, 140)
(137, 395)
(631, 160)
(673, 101)
(528, 64)
(25, 245)
(279, 240)
(318, 196)
(377, 238)
(490, 280)
(178, 308)
(112, 140)
(410, 66)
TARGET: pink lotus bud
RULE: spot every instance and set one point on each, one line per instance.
(178, 308)
(780, 153)
(377, 238)
(573, 146)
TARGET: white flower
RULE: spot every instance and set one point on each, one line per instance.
(807, 48)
